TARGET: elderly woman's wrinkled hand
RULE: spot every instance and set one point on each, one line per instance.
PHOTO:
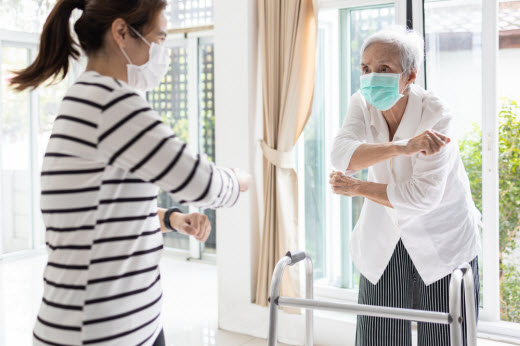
(344, 185)
(427, 143)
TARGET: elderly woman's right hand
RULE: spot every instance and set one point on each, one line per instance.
(428, 143)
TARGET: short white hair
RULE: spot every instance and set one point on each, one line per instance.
(408, 42)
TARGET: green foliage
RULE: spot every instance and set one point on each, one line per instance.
(471, 153)
(510, 292)
(509, 194)
(180, 128)
(509, 165)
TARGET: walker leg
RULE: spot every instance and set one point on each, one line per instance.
(456, 308)
(309, 294)
(273, 321)
(471, 315)
(276, 281)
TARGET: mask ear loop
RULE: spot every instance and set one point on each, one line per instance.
(408, 86)
(140, 36)
(126, 55)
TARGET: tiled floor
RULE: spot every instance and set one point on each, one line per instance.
(189, 315)
(189, 308)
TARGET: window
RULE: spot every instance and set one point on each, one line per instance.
(170, 100)
(454, 53)
(25, 124)
(329, 219)
(24, 16)
(186, 101)
(207, 119)
(15, 156)
(508, 141)
(190, 13)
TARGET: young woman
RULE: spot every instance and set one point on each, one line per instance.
(107, 156)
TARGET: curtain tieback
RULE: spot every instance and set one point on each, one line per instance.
(280, 159)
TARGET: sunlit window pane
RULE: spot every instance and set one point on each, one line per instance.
(509, 163)
(169, 100)
(189, 13)
(207, 119)
(15, 166)
(328, 220)
(26, 15)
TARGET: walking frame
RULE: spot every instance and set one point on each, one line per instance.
(461, 278)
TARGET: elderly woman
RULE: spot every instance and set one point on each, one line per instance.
(418, 221)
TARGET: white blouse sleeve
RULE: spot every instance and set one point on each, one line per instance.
(424, 190)
(351, 135)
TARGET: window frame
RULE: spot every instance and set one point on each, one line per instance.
(322, 290)
(191, 39)
(28, 41)
(36, 239)
(490, 323)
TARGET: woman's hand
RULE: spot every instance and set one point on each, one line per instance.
(195, 224)
(244, 179)
(344, 185)
(428, 143)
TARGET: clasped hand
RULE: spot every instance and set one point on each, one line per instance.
(344, 185)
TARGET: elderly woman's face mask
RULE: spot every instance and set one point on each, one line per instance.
(381, 90)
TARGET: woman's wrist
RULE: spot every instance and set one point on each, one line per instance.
(175, 218)
(359, 188)
(171, 217)
(367, 189)
(375, 192)
(399, 147)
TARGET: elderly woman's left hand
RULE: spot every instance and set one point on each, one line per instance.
(344, 185)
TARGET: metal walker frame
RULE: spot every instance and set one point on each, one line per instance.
(453, 318)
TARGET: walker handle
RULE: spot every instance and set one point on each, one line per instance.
(296, 256)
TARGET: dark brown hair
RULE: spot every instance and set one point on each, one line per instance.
(57, 45)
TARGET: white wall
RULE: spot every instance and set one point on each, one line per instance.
(235, 78)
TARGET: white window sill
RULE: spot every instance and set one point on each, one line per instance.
(500, 331)
(496, 331)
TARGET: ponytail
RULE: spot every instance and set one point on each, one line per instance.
(56, 47)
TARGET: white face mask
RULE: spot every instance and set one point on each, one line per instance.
(149, 75)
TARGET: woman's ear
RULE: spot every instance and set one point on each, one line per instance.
(411, 77)
(119, 31)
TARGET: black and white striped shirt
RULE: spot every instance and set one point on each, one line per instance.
(107, 156)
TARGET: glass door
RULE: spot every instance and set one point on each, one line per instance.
(185, 100)
(170, 100)
(509, 162)
(472, 59)
(328, 219)
(206, 120)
